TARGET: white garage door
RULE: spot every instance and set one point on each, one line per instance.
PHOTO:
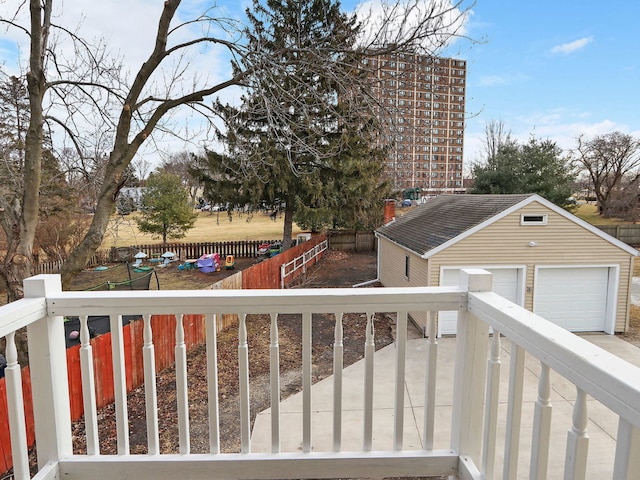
(505, 282)
(572, 297)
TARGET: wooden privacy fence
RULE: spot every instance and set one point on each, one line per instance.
(184, 251)
(54, 266)
(361, 241)
(265, 274)
(298, 266)
(352, 241)
(629, 234)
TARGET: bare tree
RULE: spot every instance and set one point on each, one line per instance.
(611, 161)
(179, 164)
(62, 89)
(496, 135)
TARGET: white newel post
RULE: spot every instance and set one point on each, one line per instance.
(470, 371)
(49, 379)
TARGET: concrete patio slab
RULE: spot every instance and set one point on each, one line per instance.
(602, 427)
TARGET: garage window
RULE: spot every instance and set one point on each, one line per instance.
(532, 219)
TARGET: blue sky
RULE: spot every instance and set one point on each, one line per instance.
(554, 69)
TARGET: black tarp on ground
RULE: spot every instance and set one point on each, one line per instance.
(98, 325)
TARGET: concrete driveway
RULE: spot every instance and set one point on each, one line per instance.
(602, 426)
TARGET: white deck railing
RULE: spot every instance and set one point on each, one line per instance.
(474, 399)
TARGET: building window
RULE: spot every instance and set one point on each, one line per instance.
(533, 219)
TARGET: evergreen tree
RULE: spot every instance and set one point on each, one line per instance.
(58, 217)
(534, 167)
(166, 209)
(319, 163)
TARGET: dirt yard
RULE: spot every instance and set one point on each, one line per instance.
(168, 278)
(338, 269)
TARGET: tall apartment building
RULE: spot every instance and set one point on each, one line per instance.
(422, 103)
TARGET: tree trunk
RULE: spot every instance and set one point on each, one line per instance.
(80, 256)
(18, 261)
(288, 225)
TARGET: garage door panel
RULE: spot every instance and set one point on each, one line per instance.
(574, 298)
(505, 283)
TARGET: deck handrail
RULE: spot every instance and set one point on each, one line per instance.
(484, 318)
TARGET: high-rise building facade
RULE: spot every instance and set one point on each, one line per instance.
(422, 100)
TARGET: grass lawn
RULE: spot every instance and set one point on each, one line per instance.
(209, 227)
(589, 213)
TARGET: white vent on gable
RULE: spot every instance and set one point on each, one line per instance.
(533, 219)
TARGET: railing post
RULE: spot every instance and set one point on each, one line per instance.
(17, 425)
(49, 379)
(470, 371)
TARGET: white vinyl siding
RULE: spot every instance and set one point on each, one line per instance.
(560, 242)
(392, 258)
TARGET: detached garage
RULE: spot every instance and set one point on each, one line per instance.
(541, 257)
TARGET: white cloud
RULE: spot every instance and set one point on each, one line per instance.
(492, 80)
(500, 80)
(558, 125)
(567, 48)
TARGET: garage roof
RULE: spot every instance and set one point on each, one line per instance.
(444, 218)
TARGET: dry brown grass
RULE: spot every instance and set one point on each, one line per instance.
(209, 227)
(589, 213)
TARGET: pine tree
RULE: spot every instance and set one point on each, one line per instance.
(534, 167)
(319, 160)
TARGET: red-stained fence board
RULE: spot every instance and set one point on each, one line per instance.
(27, 395)
(75, 382)
(5, 440)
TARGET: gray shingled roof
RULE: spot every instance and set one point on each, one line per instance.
(445, 217)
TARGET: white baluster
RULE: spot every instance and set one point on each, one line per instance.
(306, 382)
(120, 384)
(274, 352)
(541, 427)
(575, 467)
(212, 382)
(243, 366)
(430, 382)
(491, 405)
(401, 360)
(182, 393)
(514, 412)
(17, 425)
(369, 351)
(88, 388)
(150, 390)
(627, 461)
(338, 365)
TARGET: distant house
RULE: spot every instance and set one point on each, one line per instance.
(541, 257)
(129, 199)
